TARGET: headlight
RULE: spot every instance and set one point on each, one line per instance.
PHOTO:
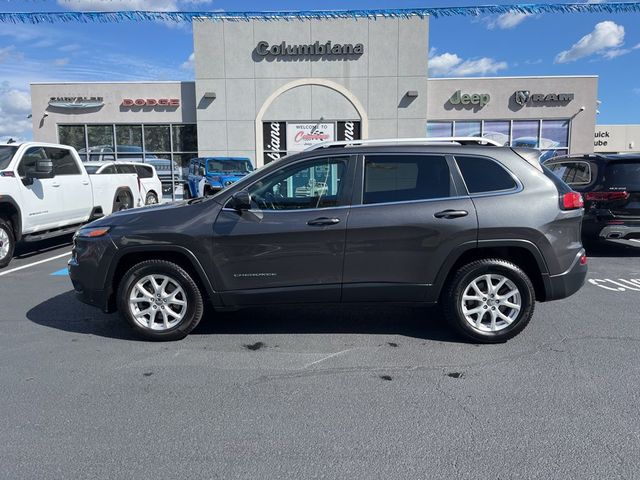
(228, 182)
(92, 232)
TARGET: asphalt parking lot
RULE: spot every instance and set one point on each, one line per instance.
(318, 392)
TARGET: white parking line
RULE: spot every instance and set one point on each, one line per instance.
(22, 267)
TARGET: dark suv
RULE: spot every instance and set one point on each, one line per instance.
(611, 188)
(483, 230)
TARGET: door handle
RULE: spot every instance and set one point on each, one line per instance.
(85, 182)
(323, 221)
(56, 185)
(448, 214)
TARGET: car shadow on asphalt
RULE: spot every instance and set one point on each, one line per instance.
(64, 312)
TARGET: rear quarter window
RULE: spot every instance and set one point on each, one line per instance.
(483, 175)
(144, 171)
(574, 174)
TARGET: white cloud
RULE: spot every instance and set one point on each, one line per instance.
(189, 63)
(6, 53)
(508, 20)
(452, 64)
(15, 105)
(61, 62)
(606, 37)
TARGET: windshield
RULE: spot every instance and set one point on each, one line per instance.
(236, 166)
(6, 154)
(621, 175)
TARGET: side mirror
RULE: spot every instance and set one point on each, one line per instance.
(241, 200)
(44, 169)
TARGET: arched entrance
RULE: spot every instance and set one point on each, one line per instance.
(343, 117)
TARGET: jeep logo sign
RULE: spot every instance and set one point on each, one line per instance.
(475, 99)
(525, 97)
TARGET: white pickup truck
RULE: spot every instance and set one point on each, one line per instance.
(45, 191)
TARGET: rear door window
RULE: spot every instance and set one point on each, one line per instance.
(402, 178)
(144, 171)
(126, 169)
(484, 175)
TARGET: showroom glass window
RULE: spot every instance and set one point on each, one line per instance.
(467, 129)
(439, 129)
(316, 184)
(168, 147)
(402, 178)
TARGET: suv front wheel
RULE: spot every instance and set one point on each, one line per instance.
(160, 300)
(489, 300)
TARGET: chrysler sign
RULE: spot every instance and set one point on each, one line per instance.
(525, 97)
(316, 49)
(76, 103)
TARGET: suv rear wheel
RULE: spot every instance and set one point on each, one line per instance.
(160, 300)
(489, 301)
(7, 243)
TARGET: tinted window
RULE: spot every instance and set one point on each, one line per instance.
(483, 175)
(111, 169)
(572, 173)
(29, 160)
(400, 178)
(92, 169)
(6, 154)
(229, 166)
(623, 175)
(63, 161)
(126, 169)
(316, 184)
(144, 172)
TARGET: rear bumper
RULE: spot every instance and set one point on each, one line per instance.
(566, 284)
(627, 233)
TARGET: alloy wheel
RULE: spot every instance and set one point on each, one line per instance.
(157, 302)
(491, 302)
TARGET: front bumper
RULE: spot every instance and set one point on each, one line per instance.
(88, 271)
(567, 283)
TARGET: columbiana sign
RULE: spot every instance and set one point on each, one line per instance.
(318, 49)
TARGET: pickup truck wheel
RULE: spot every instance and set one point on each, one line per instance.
(7, 243)
(123, 202)
(160, 300)
(151, 199)
(489, 301)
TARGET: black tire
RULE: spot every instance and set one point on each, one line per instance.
(123, 202)
(451, 299)
(151, 199)
(194, 307)
(186, 193)
(7, 232)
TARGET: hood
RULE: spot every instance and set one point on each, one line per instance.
(146, 213)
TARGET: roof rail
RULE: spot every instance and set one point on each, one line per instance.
(415, 141)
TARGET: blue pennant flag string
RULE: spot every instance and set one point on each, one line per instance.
(435, 12)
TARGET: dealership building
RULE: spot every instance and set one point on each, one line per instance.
(268, 87)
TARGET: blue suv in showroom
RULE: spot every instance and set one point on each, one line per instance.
(208, 175)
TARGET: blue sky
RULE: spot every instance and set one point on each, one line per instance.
(607, 45)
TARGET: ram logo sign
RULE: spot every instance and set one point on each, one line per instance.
(525, 97)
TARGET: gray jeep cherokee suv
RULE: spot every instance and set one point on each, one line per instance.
(483, 230)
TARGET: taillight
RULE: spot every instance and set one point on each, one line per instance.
(572, 200)
(606, 196)
(583, 260)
